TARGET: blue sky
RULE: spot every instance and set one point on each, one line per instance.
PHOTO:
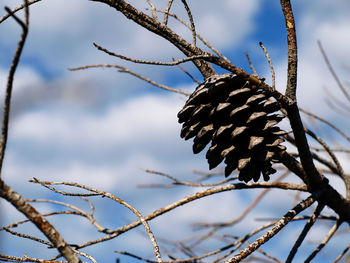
(99, 127)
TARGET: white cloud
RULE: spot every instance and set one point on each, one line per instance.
(139, 119)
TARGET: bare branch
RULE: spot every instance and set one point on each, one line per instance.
(273, 231)
(126, 70)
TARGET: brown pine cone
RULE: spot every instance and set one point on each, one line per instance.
(239, 121)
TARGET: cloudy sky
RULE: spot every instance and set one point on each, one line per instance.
(100, 127)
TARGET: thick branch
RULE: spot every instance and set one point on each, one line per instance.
(292, 49)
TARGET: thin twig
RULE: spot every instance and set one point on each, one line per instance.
(324, 241)
(40, 221)
(273, 231)
(340, 85)
(180, 182)
(126, 70)
(342, 254)
(113, 197)
(166, 13)
(188, 74)
(173, 63)
(204, 41)
(17, 223)
(166, 209)
(304, 232)
(28, 237)
(250, 63)
(326, 122)
(193, 29)
(30, 2)
(79, 211)
(246, 211)
(154, 13)
(270, 64)
(25, 258)
(7, 102)
(340, 169)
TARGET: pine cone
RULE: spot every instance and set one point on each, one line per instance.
(239, 121)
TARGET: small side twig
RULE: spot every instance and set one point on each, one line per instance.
(274, 230)
(324, 241)
(326, 122)
(129, 71)
(166, 13)
(187, 73)
(340, 85)
(153, 8)
(30, 2)
(342, 254)
(270, 64)
(193, 29)
(173, 63)
(205, 42)
(112, 197)
(304, 232)
(250, 63)
(340, 169)
(28, 237)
